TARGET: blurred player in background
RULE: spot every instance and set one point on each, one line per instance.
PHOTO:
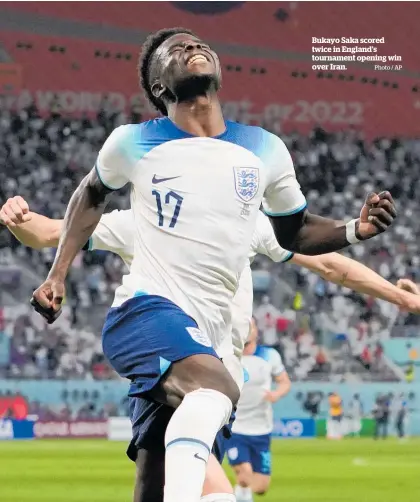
(355, 414)
(380, 412)
(400, 406)
(249, 448)
(334, 423)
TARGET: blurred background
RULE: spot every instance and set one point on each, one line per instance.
(68, 78)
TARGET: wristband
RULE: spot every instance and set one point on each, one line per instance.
(351, 232)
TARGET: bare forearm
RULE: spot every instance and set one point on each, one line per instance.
(309, 234)
(40, 232)
(356, 276)
(281, 390)
(82, 216)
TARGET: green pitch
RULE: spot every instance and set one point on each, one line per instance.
(316, 470)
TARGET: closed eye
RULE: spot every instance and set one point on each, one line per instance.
(181, 46)
(175, 49)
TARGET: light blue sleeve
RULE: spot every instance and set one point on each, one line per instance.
(116, 160)
(283, 195)
(276, 363)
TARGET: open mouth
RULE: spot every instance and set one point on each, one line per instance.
(197, 58)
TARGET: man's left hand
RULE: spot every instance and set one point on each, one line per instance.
(377, 214)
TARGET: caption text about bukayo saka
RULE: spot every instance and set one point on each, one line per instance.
(333, 54)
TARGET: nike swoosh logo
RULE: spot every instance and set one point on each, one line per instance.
(197, 456)
(156, 180)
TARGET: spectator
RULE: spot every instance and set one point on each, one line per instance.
(380, 413)
(266, 316)
(410, 373)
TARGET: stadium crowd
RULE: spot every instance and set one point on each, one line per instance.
(43, 159)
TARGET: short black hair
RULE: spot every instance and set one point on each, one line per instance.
(150, 45)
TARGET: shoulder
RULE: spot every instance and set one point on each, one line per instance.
(265, 145)
(156, 131)
(253, 138)
(133, 141)
(266, 353)
(122, 134)
(273, 359)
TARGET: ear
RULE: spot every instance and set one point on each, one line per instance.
(158, 90)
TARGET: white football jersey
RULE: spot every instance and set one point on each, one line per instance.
(115, 233)
(254, 416)
(263, 242)
(195, 201)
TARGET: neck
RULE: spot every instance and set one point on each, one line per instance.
(250, 349)
(201, 116)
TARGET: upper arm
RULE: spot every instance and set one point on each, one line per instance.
(283, 378)
(116, 159)
(114, 233)
(282, 196)
(277, 366)
(283, 199)
(314, 263)
(287, 228)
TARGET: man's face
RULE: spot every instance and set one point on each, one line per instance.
(185, 65)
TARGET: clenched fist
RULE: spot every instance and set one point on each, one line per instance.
(15, 212)
(47, 299)
(377, 214)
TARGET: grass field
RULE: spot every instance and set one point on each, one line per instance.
(358, 470)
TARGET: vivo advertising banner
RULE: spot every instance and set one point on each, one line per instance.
(294, 428)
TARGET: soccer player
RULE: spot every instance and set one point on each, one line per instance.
(355, 414)
(197, 184)
(401, 415)
(249, 448)
(114, 233)
(334, 423)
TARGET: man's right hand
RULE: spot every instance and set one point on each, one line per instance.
(47, 299)
(15, 212)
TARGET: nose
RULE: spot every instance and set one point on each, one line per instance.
(191, 46)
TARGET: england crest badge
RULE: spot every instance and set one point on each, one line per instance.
(247, 182)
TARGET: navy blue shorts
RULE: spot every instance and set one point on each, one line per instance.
(219, 447)
(255, 450)
(149, 421)
(147, 333)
